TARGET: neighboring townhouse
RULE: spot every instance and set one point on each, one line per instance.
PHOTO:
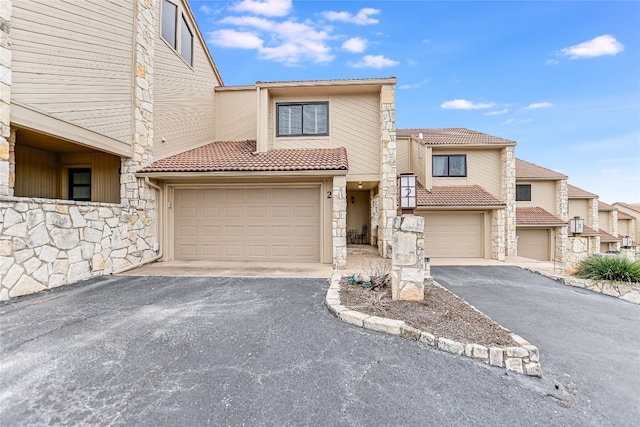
(287, 180)
(630, 215)
(120, 145)
(542, 212)
(584, 205)
(608, 223)
(466, 190)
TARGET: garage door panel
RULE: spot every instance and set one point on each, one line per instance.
(534, 243)
(453, 234)
(247, 223)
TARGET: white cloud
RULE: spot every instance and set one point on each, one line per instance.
(551, 62)
(538, 105)
(414, 85)
(249, 21)
(599, 46)
(425, 41)
(463, 104)
(497, 112)
(374, 61)
(206, 9)
(363, 17)
(355, 45)
(235, 39)
(264, 7)
(515, 121)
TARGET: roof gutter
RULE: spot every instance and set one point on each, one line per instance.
(170, 175)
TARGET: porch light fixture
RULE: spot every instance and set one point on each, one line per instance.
(353, 199)
(407, 195)
(576, 226)
(360, 185)
(627, 241)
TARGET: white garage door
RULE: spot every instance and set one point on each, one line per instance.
(533, 243)
(453, 234)
(247, 224)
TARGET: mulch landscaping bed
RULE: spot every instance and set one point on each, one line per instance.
(441, 313)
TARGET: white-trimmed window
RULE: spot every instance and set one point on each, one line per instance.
(176, 32)
(303, 119)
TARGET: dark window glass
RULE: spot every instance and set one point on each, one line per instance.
(80, 184)
(303, 119)
(186, 42)
(169, 15)
(523, 192)
(450, 165)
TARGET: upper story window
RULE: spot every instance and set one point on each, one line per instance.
(182, 40)
(450, 165)
(302, 119)
(523, 192)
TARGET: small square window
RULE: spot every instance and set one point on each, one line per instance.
(523, 192)
(303, 119)
(80, 184)
(454, 165)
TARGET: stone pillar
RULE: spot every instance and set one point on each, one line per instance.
(6, 187)
(498, 233)
(559, 235)
(509, 196)
(375, 216)
(387, 190)
(613, 228)
(339, 221)
(562, 212)
(408, 272)
(576, 253)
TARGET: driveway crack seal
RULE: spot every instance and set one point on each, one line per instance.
(523, 358)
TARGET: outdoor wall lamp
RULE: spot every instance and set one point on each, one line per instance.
(407, 196)
(576, 226)
(627, 241)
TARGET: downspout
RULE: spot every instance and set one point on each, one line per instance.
(160, 226)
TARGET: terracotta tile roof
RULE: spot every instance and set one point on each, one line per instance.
(470, 195)
(622, 215)
(588, 231)
(454, 136)
(529, 170)
(633, 207)
(578, 193)
(607, 238)
(537, 216)
(231, 156)
(603, 207)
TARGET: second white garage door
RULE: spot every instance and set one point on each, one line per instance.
(247, 224)
(453, 234)
(533, 243)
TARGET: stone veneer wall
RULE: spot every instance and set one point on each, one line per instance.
(375, 215)
(6, 189)
(613, 228)
(562, 212)
(509, 194)
(387, 207)
(339, 221)
(408, 269)
(594, 223)
(576, 253)
(47, 243)
(498, 233)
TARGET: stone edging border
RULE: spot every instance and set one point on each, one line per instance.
(625, 291)
(523, 359)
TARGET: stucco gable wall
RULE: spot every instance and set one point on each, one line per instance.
(543, 195)
(484, 168)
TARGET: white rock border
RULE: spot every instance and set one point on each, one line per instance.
(523, 358)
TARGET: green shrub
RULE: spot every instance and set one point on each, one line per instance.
(609, 268)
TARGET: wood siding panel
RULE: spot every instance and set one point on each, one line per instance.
(579, 207)
(73, 60)
(184, 100)
(418, 151)
(236, 115)
(403, 156)
(37, 175)
(353, 124)
(484, 168)
(543, 195)
(358, 211)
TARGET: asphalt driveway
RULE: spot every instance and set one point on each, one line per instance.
(216, 351)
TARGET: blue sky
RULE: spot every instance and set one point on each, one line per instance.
(560, 78)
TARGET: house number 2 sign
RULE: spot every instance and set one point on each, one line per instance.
(407, 191)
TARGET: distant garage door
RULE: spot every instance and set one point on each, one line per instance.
(252, 224)
(533, 243)
(453, 234)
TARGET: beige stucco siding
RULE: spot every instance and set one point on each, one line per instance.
(543, 195)
(403, 153)
(353, 124)
(483, 168)
(184, 101)
(73, 60)
(418, 154)
(624, 227)
(236, 115)
(603, 221)
(579, 207)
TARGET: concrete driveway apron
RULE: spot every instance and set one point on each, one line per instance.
(241, 351)
(589, 343)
